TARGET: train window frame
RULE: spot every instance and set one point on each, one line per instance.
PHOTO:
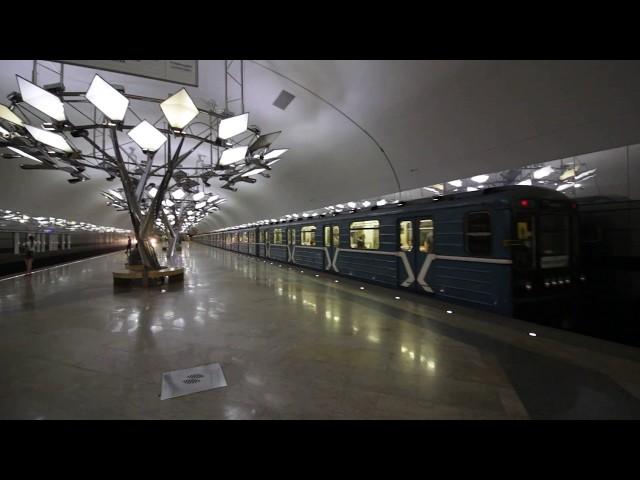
(401, 246)
(278, 232)
(488, 235)
(375, 229)
(335, 236)
(305, 238)
(291, 236)
(433, 239)
(327, 235)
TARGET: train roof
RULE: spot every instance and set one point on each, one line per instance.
(509, 192)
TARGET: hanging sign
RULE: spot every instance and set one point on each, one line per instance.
(184, 72)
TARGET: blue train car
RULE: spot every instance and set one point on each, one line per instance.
(510, 250)
(53, 247)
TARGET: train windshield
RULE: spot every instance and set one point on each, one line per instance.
(553, 238)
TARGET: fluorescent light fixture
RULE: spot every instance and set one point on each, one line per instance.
(569, 172)
(273, 161)
(41, 100)
(275, 153)
(564, 186)
(168, 203)
(178, 194)
(153, 191)
(352, 204)
(456, 183)
(263, 141)
(198, 196)
(480, 178)
(584, 174)
(200, 205)
(432, 190)
(49, 138)
(9, 116)
(525, 182)
(24, 154)
(230, 127)
(381, 203)
(542, 172)
(213, 199)
(179, 109)
(472, 189)
(255, 171)
(148, 137)
(233, 155)
(107, 99)
(366, 203)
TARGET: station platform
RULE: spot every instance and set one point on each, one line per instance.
(293, 344)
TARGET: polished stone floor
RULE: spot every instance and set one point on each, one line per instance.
(293, 345)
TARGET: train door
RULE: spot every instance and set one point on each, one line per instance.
(268, 236)
(331, 243)
(291, 244)
(416, 242)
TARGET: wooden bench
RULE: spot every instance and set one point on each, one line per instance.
(153, 277)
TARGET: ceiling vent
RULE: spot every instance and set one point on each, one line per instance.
(284, 99)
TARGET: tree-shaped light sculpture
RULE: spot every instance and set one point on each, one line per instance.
(65, 141)
(179, 211)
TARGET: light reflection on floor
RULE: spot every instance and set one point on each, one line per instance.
(292, 345)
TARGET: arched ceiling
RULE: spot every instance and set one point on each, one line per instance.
(436, 120)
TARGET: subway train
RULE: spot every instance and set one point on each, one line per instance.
(511, 250)
(55, 247)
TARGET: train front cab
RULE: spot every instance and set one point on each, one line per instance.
(544, 251)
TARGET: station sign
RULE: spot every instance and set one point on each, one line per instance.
(184, 72)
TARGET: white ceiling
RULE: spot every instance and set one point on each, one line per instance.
(437, 121)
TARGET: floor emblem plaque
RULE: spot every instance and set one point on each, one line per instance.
(192, 380)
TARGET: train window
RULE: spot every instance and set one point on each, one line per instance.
(523, 252)
(308, 236)
(426, 235)
(327, 236)
(244, 238)
(277, 236)
(6, 242)
(335, 234)
(406, 236)
(365, 235)
(554, 240)
(478, 233)
(261, 236)
(291, 236)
